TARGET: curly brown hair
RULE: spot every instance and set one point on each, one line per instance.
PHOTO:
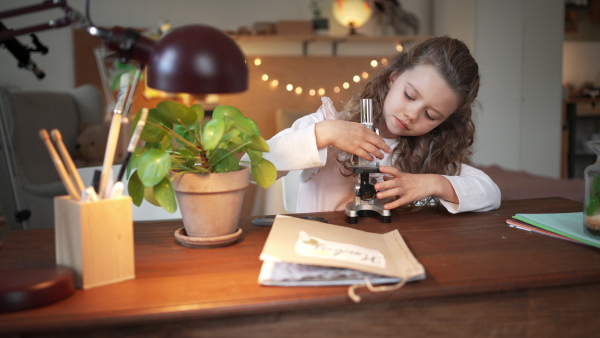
(442, 150)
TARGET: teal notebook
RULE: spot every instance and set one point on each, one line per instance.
(566, 224)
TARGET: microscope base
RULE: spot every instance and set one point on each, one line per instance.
(354, 211)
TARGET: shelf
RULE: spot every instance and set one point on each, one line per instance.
(333, 39)
(581, 99)
(582, 118)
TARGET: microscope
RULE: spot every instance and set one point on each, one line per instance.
(365, 202)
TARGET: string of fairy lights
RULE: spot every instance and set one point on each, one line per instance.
(288, 86)
(321, 91)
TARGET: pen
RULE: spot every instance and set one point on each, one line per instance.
(135, 138)
(68, 161)
(62, 172)
(117, 190)
(89, 195)
(113, 138)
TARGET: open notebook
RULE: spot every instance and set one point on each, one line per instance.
(300, 252)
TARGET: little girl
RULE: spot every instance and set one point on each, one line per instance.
(422, 107)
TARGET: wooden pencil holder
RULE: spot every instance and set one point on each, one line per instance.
(95, 239)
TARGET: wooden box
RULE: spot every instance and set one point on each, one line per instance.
(294, 27)
(95, 239)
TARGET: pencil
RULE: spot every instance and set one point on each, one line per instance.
(68, 161)
(62, 172)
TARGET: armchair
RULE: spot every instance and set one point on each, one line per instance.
(27, 173)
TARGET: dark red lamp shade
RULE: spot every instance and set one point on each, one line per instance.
(197, 59)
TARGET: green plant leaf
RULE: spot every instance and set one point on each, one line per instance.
(176, 112)
(184, 132)
(134, 157)
(234, 142)
(185, 155)
(199, 111)
(223, 110)
(135, 188)
(149, 196)
(152, 133)
(227, 161)
(165, 195)
(255, 129)
(153, 166)
(231, 134)
(255, 156)
(258, 143)
(243, 124)
(212, 133)
(264, 173)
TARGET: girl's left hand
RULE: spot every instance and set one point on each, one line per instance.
(409, 188)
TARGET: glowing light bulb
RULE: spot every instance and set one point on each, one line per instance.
(298, 90)
(289, 87)
(336, 89)
(346, 85)
(356, 78)
(265, 77)
(274, 83)
(365, 75)
(399, 48)
(374, 63)
(257, 62)
(321, 91)
(351, 13)
(312, 92)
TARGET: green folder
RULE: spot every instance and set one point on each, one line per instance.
(566, 224)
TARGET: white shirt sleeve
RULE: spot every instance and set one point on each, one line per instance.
(295, 148)
(475, 190)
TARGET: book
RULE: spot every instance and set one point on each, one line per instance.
(568, 226)
(301, 252)
(514, 223)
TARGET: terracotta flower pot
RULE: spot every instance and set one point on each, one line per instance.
(210, 204)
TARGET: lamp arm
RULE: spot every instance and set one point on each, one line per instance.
(129, 44)
(71, 16)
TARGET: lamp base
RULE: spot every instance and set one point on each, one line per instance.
(29, 286)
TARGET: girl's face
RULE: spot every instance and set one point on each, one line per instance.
(418, 101)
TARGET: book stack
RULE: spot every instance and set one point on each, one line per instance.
(566, 226)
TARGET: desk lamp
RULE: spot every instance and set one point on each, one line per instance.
(193, 59)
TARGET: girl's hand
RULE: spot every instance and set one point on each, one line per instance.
(351, 137)
(409, 188)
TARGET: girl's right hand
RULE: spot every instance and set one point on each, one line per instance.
(351, 137)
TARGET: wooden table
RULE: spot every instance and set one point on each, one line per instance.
(483, 279)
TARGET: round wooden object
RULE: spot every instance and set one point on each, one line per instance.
(26, 287)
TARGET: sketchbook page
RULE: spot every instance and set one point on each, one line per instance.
(567, 224)
(299, 241)
(291, 274)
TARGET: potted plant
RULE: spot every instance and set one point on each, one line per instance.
(320, 23)
(190, 161)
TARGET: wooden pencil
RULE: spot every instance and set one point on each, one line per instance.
(62, 172)
(67, 160)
